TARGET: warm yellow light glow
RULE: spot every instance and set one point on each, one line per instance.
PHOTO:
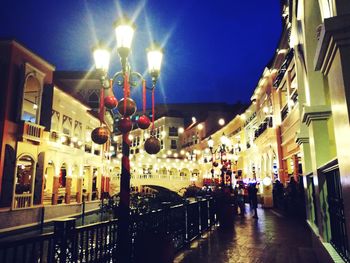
(266, 109)
(207, 150)
(115, 138)
(154, 57)
(120, 155)
(181, 130)
(146, 135)
(163, 134)
(168, 152)
(194, 119)
(164, 155)
(63, 138)
(176, 155)
(182, 152)
(221, 122)
(243, 117)
(131, 137)
(210, 142)
(200, 126)
(102, 58)
(124, 34)
(223, 139)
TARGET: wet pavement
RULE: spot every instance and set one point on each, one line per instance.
(272, 238)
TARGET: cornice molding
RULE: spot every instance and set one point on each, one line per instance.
(302, 137)
(335, 32)
(315, 113)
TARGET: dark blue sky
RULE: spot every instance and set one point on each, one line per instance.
(215, 51)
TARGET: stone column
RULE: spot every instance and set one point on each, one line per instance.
(55, 190)
(79, 189)
(68, 190)
(316, 118)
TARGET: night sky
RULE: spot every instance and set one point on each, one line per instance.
(215, 51)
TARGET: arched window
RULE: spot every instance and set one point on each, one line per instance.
(31, 100)
(25, 174)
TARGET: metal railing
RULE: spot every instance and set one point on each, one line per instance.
(22, 200)
(32, 131)
(98, 242)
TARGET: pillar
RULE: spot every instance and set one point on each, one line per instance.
(79, 189)
(55, 190)
(68, 190)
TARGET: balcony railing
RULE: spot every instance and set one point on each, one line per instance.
(22, 200)
(32, 131)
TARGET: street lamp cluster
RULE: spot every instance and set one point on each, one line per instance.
(126, 78)
(227, 155)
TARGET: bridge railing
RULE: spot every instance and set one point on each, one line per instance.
(98, 242)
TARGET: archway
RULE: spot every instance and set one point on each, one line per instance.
(163, 172)
(31, 100)
(62, 181)
(25, 170)
(49, 175)
(173, 173)
(75, 187)
(184, 173)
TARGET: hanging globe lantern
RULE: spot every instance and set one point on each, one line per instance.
(100, 135)
(110, 102)
(152, 145)
(143, 122)
(124, 125)
(130, 107)
(215, 164)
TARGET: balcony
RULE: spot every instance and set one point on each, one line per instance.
(31, 131)
(22, 200)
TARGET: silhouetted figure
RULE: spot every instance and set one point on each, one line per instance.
(253, 197)
(277, 193)
(240, 199)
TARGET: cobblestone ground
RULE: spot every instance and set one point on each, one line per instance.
(272, 238)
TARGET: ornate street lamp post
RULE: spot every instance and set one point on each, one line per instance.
(126, 78)
(225, 162)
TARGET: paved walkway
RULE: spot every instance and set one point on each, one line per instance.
(271, 239)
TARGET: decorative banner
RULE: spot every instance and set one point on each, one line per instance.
(143, 96)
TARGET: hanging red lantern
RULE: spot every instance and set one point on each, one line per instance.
(130, 107)
(100, 135)
(143, 122)
(152, 145)
(124, 125)
(215, 164)
(110, 102)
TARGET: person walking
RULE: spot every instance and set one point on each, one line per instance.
(253, 198)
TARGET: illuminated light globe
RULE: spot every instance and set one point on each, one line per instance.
(130, 107)
(152, 145)
(143, 122)
(100, 135)
(124, 125)
(110, 102)
(267, 181)
(215, 164)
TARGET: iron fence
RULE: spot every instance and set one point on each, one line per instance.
(98, 242)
